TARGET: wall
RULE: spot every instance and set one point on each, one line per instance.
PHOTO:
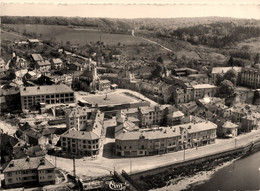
(242, 149)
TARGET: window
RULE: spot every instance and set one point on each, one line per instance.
(84, 141)
(84, 146)
(89, 147)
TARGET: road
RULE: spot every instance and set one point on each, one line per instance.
(165, 48)
(102, 165)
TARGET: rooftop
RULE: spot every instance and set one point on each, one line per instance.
(31, 163)
(166, 132)
(43, 63)
(203, 86)
(45, 90)
(218, 70)
(229, 125)
(37, 57)
(56, 60)
(84, 135)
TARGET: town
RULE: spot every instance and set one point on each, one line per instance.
(61, 111)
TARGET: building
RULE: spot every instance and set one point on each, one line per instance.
(54, 94)
(248, 123)
(104, 85)
(79, 117)
(222, 70)
(174, 117)
(80, 142)
(200, 78)
(250, 77)
(33, 42)
(165, 139)
(149, 116)
(43, 66)
(2, 64)
(36, 57)
(29, 171)
(57, 64)
(202, 90)
(192, 92)
(229, 129)
(75, 66)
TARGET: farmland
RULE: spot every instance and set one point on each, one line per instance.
(74, 35)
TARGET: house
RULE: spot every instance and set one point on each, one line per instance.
(104, 85)
(248, 123)
(34, 137)
(229, 129)
(75, 66)
(57, 64)
(86, 143)
(33, 42)
(83, 118)
(188, 108)
(31, 171)
(149, 116)
(174, 117)
(202, 90)
(36, 57)
(2, 64)
(43, 66)
(54, 94)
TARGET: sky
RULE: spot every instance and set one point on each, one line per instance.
(129, 9)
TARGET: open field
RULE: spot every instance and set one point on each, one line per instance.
(74, 35)
(10, 36)
(252, 44)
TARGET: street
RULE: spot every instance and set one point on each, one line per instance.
(102, 165)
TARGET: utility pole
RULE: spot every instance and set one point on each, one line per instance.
(74, 167)
(0, 35)
(184, 150)
(130, 166)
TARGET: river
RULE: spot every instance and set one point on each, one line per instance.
(243, 174)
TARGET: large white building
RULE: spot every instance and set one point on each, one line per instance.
(54, 94)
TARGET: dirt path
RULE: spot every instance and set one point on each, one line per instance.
(165, 48)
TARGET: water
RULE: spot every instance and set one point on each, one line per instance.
(243, 174)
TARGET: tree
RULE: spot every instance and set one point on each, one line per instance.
(160, 59)
(257, 59)
(219, 79)
(231, 61)
(156, 72)
(227, 88)
(231, 75)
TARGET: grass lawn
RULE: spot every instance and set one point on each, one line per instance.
(112, 99)
(75, 36)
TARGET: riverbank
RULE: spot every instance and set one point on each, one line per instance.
(181, 178)
(185, 183)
